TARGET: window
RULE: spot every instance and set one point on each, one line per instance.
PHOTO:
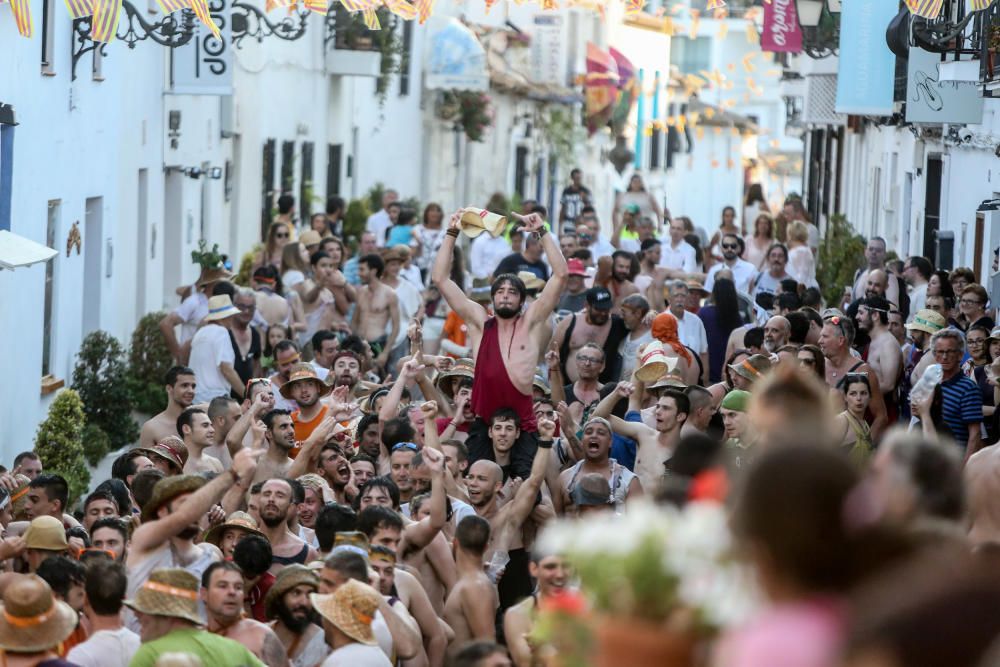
(691, 55)
(520, 170)
(48, 37)
(306, 185)
(333, 156)
(287, 167)
(404, 59)
(267, 186)
(6, 162)
(52, 228)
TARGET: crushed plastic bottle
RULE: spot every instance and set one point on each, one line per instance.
(925, 386)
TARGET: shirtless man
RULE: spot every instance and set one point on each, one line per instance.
(884, 354)
(982, 473)
(222, 593)
(378, 309)
(551, 571)
(180, 386)
(198, 433)
(654, 446)
(507, 346)
(472, 605)
(595, 325)
(280, 440)
(620, 285)
(835, 344)
(275, 504)
(596, 441)
(272, 307)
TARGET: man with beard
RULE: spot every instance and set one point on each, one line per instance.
(925, 324)
(597, 325)
(336, 471)
(377, 309)
(367, 437)
(472, 604)
(180, 386)
(222, 594)
(776, 333)
(507, 346)
(196, 429)
(280, 440)
(742, 270)
(293, 618)
(623, 265)
(305, 388)
(312, 502)
(552, 573)
(111, 535)
(587, 390)
(484, 482)
(275, 504)
(170, 525)
(769, 282)
(596, 441)
(884, 355)
(835, 344)
(346, 371)
(654, 446)
(224, 413)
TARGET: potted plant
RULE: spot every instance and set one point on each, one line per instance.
(658, 582)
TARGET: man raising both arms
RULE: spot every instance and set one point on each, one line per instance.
(506, 347)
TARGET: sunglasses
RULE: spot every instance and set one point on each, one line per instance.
(730, 246)
(281, 236)
(405, 445)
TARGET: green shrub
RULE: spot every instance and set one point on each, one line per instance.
(59, 442)
(148, 363)
(101, 379)
(95, 444)
(841, 254)
(355, 219)
(373, 198)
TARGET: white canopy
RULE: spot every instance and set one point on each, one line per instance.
(18, 251)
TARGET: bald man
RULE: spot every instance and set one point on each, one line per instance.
(776, 333)
(982, 487)
(875, 257)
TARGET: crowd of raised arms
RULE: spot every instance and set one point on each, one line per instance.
(362, 445)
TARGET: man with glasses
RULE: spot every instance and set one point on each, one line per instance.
(835, 342)
(742, 270)
(246, 340)
(588, 389)
(961, 403)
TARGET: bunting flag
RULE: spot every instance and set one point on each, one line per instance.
(316, 6)
(371, 19)
(979, 5)
(633, 7)
(22, 16)
(928, 9)
(695, 20)
(549, 5)
(747, 65)
(171, 6)
(105, 23)
(715, 4)
(723, 30)
(79, 8)
(401, 8)
(200, 8)
(354, 5)
(424, 9)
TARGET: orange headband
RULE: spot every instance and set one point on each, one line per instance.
(170, 590)
(20, 494)
(749, 367)
(29, 621)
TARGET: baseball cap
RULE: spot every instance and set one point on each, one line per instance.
(576, 267)
(599, 298)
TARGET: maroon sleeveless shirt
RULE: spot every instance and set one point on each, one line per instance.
(491, 386)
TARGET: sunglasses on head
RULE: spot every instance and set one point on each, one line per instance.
(93, 553)
(405, 445)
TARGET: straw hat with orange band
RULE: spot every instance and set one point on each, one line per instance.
(351, 608)
(32, 620)
(169, 592)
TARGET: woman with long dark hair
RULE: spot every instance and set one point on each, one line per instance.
(720, 317)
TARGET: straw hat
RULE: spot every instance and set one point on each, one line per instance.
(475, 221)
(695, 285)
(672, 378)
(396, 253)
(539, 383)
(930, 321)
(994, 335)
(462, 368)
(46, 532)
(19, 497)
(32, 619)
(652, 362)
(753, 368)
(239, 520)
(304, 373)
(530, 280)
(289, 577)
(220, 307)
(169, 488)
(310, 237)
(209, 276)
(168, 592)
(170, 449)
(351, 608)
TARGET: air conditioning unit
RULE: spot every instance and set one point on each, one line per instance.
(820, 101)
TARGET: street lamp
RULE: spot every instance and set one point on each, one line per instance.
(809, 11)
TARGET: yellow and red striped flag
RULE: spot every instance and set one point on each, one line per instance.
(80, 8)
(200, 8)
(424, 9)
(105, 23)
(171, 6)
(634, 6)
(548, 5)
(316, 6)
(371, 19)
(928, 9)
(715, 4)
(979, 5)
(22, 16)
(402, 9)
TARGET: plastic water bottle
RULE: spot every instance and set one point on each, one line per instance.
(926, 384)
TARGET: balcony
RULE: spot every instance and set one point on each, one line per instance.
(969, 44)
(351, 48)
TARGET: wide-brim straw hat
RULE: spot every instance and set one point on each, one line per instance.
(930, 321)
(169, 488)
(671, 378)
(46, 533)
(33, 620)
(304, 373)
(238, 520)
(220, 307)
(462, 368)
(289, 577)
(396, 253)
(19, 497)
(652, 362)
(209, 276)
(538, 382)
(530, 280)
(169, 592)
(170, 449)
(695, 285)
(351, 608)
(310, 237)
(475, 221)
(753, 368)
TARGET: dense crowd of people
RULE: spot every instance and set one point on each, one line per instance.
(361, 447)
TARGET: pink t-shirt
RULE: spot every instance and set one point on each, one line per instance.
(800, 634)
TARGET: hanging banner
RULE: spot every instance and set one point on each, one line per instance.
(547, 50)
(931, 101)
(867, 66)
(781, 32)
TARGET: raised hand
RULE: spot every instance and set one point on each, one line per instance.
(533, 222)
(262, 403)
(625, 389)
(461, 400)
(433, 458)
(429, 409)
(455, 221)
(245, 462)
(411, 368)
(443, 364)
(546, 429)
(216, 515)
(552, 358)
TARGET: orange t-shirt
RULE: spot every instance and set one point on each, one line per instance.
(455, 329)
(304, 429)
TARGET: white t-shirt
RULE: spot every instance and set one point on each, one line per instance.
(211, 346)
(357, 655)
(409, 298)
(743, 273)
(681, 258)
(691, 332)
(378, 224)
(105, 648)
(191, 311)
(486, 253)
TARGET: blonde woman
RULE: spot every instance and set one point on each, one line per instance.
(761, 240)
(278, 236)
(801, 263)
